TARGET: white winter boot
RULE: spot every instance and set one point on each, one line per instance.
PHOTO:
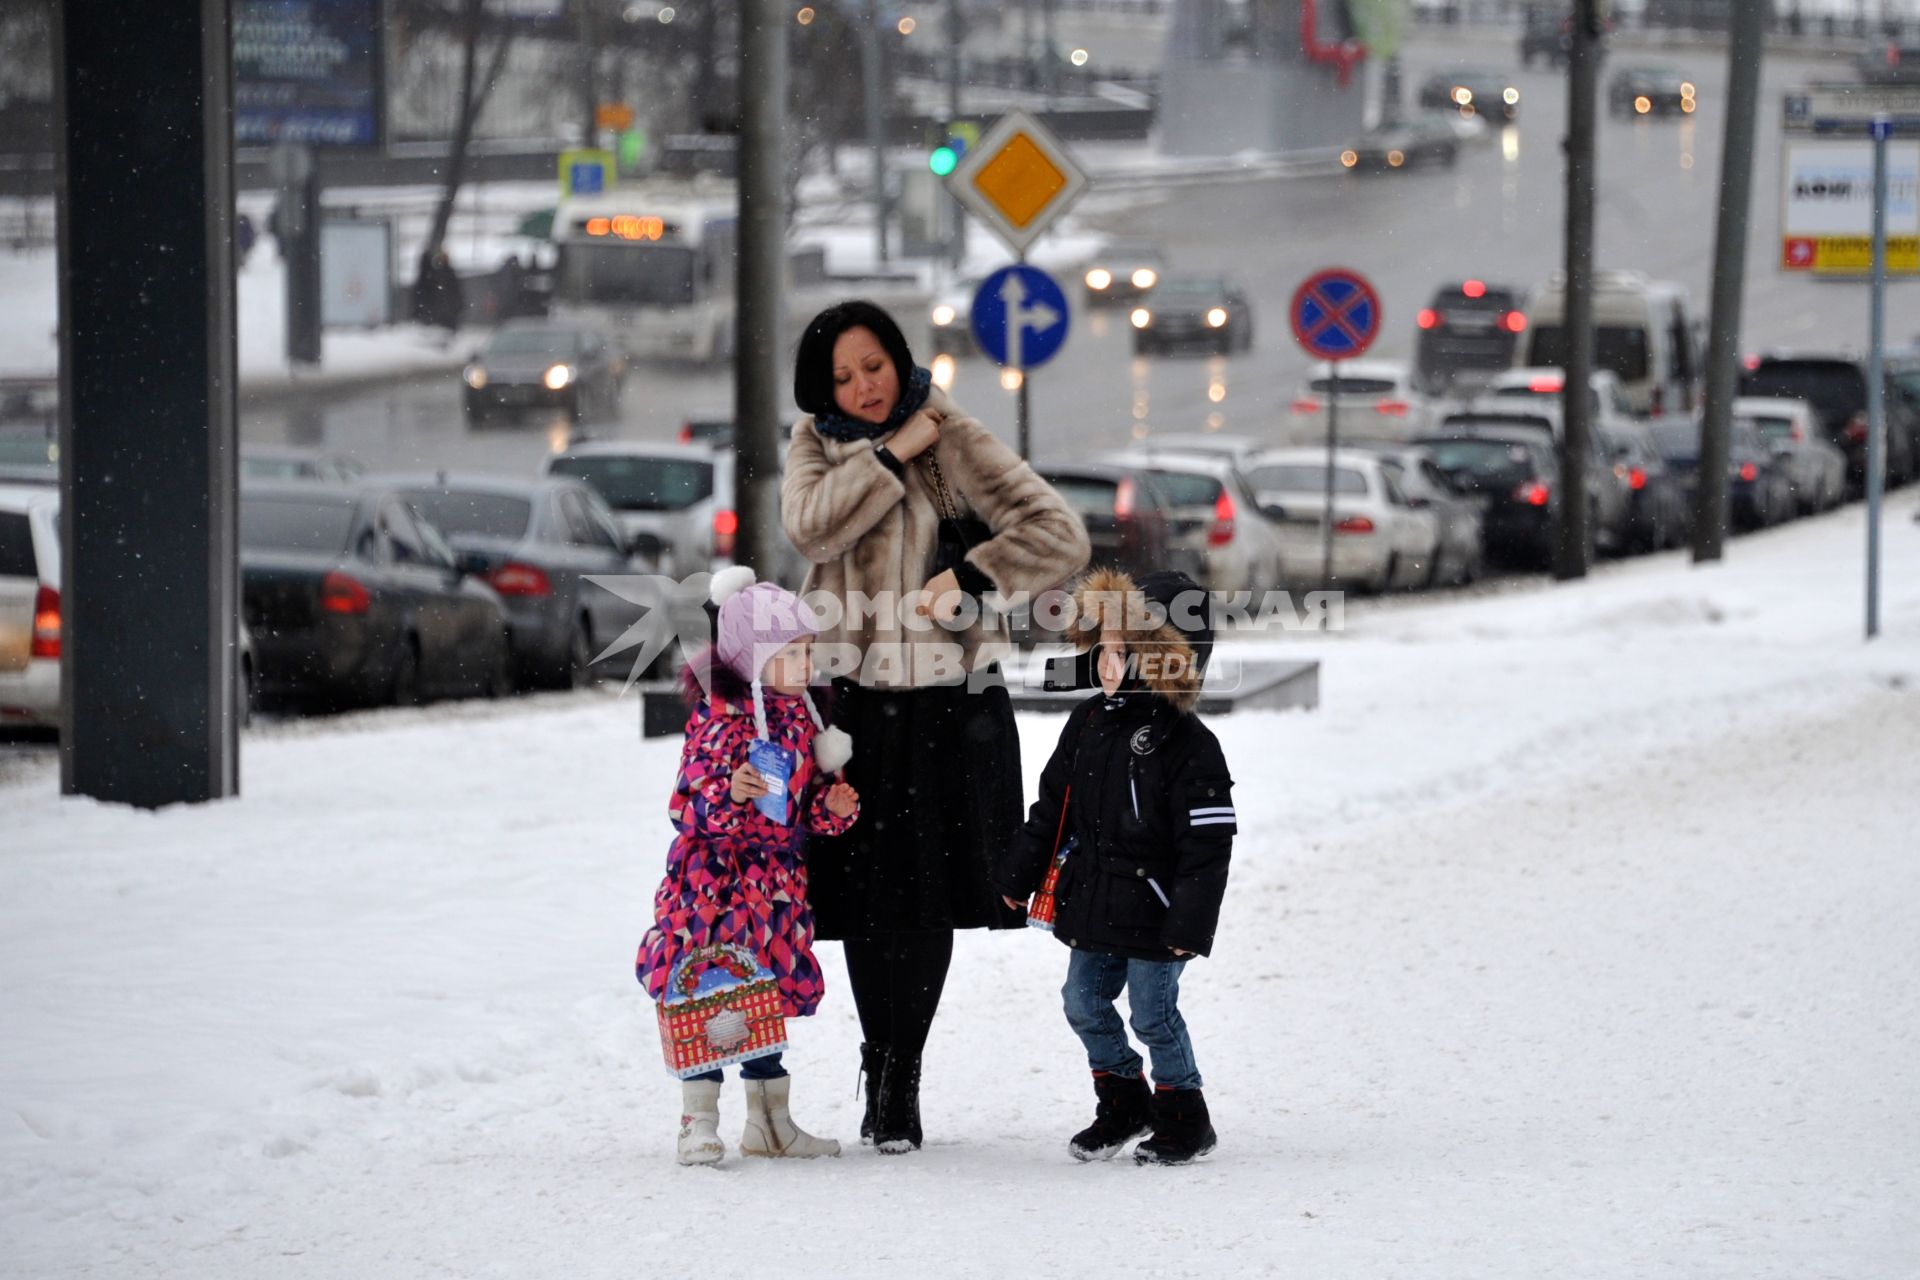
(770, 1128)
(700, 1122)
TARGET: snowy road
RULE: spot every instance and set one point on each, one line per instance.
(1572, 936)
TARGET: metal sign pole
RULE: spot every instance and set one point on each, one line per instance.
(1017, 360)
(1326, 516)
(1876, 372)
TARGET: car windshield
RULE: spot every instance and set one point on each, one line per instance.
(1305, 477)
(1836, 388)
(1676, 439)
(653, 275)
(1355, 386)
(1487, 459)
(34, 448)
(534, 342)
(1188, 292)
(631, 483)
(486, 515)
(1771, 426)
(317, 525)
(1622, 350)
(1184, 489)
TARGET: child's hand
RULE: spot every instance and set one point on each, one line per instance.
(748, 784)
(1177, 951)
(842, 800)
(1013, 904)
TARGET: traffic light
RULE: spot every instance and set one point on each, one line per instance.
(949, 145)
(943, 160)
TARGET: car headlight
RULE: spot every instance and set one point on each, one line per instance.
(1396, 158)
(1686, 90)
(1217, 317)
(1463, 95)
(1145, 278)
(943, 315)
(476, 377)
(1349, 158)
(1141, 317)
(1643, 104)
(1099, 278)
(1512, 97)
(559, 376)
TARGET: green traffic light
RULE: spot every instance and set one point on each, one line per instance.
(942, 161)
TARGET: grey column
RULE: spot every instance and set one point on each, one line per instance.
(758, 367)
(147, 434)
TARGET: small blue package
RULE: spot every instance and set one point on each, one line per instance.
(775, 765)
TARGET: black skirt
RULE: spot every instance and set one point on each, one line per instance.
(938, 772)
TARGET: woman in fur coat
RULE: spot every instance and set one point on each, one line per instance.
(877, 461)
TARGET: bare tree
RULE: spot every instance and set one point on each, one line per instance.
(474, 88)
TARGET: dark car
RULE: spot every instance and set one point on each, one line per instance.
(351, 600)
(1125, 513)
(1836, 387)
(1650, 91)
(1513, 474)
(1193, 311)
(1472, 92)
(290, 462)
(538, 364)
(1404, 145)
(535, 542)
(1123, 272)
(1545, 37)
(1466, 329)
(1758, 490)
(1658, 515)
(1609, 501)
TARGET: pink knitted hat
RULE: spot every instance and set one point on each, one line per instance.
(757, 620)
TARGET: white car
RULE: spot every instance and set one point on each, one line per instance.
(1238, 448)
(952, 320)
(1213, 516)
(30, 617)
(1815, 466)
(1380, 539)
(1377, 401)
(1609, 393)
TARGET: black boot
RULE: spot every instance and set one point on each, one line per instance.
(1124, 1114)
(896, 1128)
(872, 1058)
(1182, 1133)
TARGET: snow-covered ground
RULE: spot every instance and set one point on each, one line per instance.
(1571, 936)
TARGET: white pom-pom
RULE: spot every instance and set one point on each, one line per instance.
(729, 583)
(832, 748)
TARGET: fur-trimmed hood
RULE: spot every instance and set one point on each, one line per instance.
(1167, 621)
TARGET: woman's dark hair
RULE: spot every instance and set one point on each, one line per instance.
(813, 362)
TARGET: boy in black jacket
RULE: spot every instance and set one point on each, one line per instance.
(1139, 795)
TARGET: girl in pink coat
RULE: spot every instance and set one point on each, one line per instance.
(734, 874)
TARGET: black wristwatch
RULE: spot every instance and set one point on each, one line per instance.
(888, 461)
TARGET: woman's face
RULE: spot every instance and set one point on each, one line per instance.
(865, 383)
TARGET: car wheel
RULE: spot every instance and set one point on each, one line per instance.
(249, 693)
(579, 669)
(1387, 575)
(500, 681)
(405, 689)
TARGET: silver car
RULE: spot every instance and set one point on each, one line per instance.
(30, 616)
(1815, 466)
(1381, 540)
(1461, 556)
(1214, 521)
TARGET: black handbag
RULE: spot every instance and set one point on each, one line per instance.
(958, 534)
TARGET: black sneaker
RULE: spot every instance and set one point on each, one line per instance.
(1124, 1113)
(1182, 1132)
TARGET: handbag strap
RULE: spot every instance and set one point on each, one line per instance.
(1061, 830)
(943, 498)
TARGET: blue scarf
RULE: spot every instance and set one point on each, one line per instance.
(837, 426)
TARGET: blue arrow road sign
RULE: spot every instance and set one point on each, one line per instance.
(1020, 317)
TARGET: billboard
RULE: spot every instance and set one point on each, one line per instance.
(1826, 206)
(307, 71)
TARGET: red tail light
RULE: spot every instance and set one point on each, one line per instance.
(1636, 478)
(1857, 429)
(1354, 524)
(340, 593)
(1222, 531)
(46, 623)
(1752, 362)
(1514, 322)
(1547, 386)
(515, 579)
(1474, 289)
(1533, 494)
(1798, 435)
(1428, 318)
(1305, 406)
(1123, 499)
(726, 524)
(1393, 408)
(686, 433)
(1749, 472)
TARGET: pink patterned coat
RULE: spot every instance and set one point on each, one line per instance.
(733, 874)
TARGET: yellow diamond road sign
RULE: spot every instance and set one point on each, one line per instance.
(1018, 179)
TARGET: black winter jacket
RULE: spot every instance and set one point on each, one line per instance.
(1152, 808)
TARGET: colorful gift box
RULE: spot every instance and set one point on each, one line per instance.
(722, 1007)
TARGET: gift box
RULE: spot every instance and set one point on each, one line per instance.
(1040, 911)
(722, 1007)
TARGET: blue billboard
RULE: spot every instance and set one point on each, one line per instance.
(307, 71)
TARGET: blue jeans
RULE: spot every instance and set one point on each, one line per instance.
(1094, 982)
(767, 1068)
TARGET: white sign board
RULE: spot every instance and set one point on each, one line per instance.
(1826, 206)
(356, 273)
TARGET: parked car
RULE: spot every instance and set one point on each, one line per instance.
(1758, 490)
(1650, 91)
(1472, 91)
(1609, 499)
(1816, 468)
(1513, 473)
(1377, 401)
(716, 432)
(1381, 540)
(1658, 516)
(1836, 387)
(1467, 331)
(1546, 37)
(30, 613)
(351, 599)
(952, 318)
(1644, 332)
(1214, 520)
(536, 543)
(1409, 144)
(544, 364)
(1220, 444)
(1548, 386)
(1193, 311)
(1125, 512)
(1461, 554)
(1123, 272)
(290, 462)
